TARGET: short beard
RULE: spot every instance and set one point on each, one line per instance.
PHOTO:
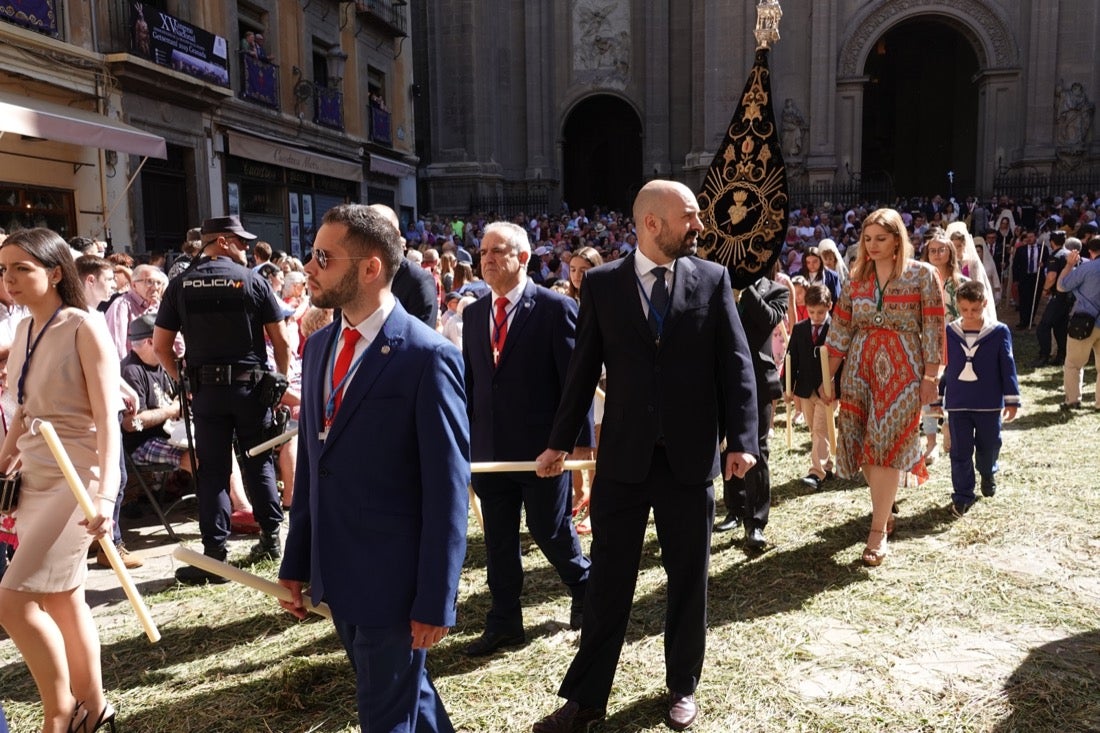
(673, 247)
(346, 291)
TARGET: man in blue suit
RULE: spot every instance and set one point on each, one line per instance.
(516, 347)
(679, 380)
(378, 528)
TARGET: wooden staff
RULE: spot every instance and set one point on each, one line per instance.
(105, 542)
(225, 570)
(827, 390)
(786, 402)
(269, 444)
(502, 466)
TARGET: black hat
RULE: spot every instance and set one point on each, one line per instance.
(226, 225)
(1058, 234)
(141, 327)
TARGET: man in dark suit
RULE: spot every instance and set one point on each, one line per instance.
(679, 379)
(516, 347)
(378, 528)
(748, 499)
(1027, 266)
(413, 286)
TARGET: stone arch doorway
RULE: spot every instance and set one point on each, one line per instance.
(920, 108)
(601, 154)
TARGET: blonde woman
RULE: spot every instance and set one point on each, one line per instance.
(889, 325)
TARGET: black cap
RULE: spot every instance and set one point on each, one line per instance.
(226, 225)
(141, 327)
(1059, 234)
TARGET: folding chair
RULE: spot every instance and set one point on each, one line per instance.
(161, 471)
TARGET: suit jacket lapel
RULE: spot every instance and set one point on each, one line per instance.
(318, 364)
(519, 318)
(632, 297)
(376, 358)
(686, 275)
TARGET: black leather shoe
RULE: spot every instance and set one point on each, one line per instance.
(490, 641)
(989, 485)
(754, 538)
(191, 575)
(569, 718)
(681, 711)
(1042, 361)
(728, 524)
(812, 481)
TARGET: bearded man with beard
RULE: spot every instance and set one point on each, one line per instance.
(679, 380)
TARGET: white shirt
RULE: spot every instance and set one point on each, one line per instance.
(368, 330)
(643, 268)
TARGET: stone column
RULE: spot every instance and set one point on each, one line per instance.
(998, 123)
(1037, 116)
(849, 125)
(821, 161)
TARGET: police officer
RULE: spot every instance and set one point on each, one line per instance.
(224, 310)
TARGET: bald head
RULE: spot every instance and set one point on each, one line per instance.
(391, 216)
(666, 215)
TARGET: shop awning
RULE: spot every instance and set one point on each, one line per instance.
(390, 167)
(49, 121)
(288, 156)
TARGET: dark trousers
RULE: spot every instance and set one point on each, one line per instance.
(1055, 321)
(392, 689)
(750, 498)
(116, 533)
(683, 514)
(975, 440)
(548, 506)
(222, 412)
(1027, 301)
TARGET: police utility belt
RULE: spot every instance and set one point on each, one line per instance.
(225, 373)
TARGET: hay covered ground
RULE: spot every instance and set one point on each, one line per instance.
(988, 623)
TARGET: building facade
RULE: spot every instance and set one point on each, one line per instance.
(274, 110)
(584, 101)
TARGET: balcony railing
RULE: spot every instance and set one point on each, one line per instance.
(328, 107)
(259, 81)
(380, 126)
(389, 15)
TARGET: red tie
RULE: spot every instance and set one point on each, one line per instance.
(343, 363)
(817, 332)
(500, 328)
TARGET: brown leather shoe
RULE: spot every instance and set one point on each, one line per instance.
(681, 710)
(130, 560)
(569, 718)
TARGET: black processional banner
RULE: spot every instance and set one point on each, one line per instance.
(38, 15)
(171, 42)
(744, 199)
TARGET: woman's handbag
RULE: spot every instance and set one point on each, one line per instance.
(1080, 326)
(9, 491)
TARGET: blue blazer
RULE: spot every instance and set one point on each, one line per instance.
(512, 405)
(378, 524)
(695, 389)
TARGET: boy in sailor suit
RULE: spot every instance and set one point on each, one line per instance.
(979, 385)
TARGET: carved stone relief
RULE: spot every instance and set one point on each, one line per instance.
(601, 41)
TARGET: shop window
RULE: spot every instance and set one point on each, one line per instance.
(26, 207)
(260, 198)
(377, 111)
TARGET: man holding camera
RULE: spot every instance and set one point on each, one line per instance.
(224, 311)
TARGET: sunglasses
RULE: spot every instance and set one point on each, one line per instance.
(322, 257)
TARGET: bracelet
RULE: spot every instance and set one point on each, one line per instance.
(106, 498)
(931, 379)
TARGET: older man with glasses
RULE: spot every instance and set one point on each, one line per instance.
(224, 310)
(143, 297)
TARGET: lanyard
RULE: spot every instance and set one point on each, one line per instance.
(330, 403)
(30, 351)
(658, 317)
(498, 325)
(880, 293)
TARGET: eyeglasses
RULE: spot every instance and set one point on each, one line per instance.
(501, 250)
(323, 257)
(155, 282)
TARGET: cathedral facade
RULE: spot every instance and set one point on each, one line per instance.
(580, 102)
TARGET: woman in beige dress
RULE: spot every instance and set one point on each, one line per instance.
(63, 370)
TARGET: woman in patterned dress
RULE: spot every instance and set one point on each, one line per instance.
(889, 324)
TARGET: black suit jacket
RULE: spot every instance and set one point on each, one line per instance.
(694, 389)
(1019, 261)
(763, 305)
(806, 358)
(414, 287)
(512, 405)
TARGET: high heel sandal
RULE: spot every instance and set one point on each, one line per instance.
(106, 719)
(873, 558)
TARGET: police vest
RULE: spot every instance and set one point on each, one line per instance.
(218, 314)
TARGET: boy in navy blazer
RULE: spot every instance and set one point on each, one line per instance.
(807, 337)
(378, 524)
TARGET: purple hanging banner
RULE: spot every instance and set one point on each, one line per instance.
(38, 15)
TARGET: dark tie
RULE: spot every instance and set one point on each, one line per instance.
(343, 364)
(817, 332)
(500, 328)
(658, 301)
(1031, 259)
